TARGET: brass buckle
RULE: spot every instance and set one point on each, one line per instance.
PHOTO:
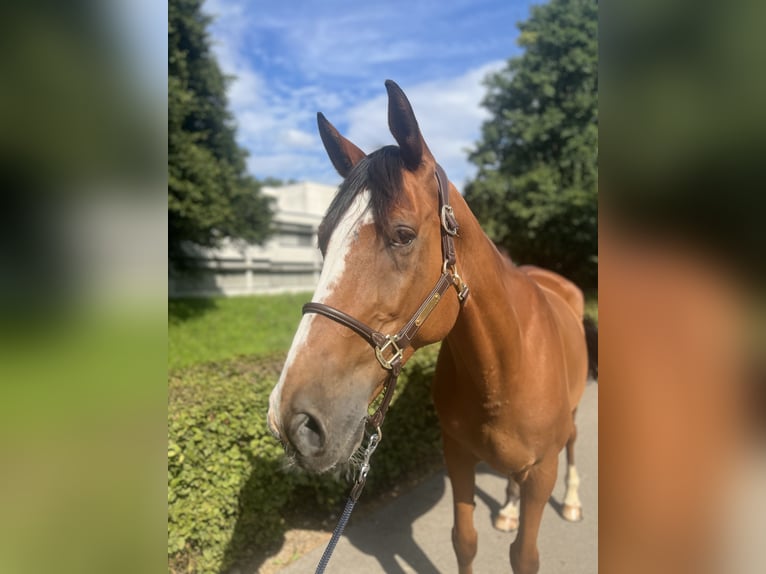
(388, 364)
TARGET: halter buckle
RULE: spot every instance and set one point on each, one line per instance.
(449, 224)
(460, 286)
(388, 364)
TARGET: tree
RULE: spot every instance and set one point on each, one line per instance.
(210, 195)
(536, 187)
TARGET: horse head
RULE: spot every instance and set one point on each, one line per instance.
(381, 240)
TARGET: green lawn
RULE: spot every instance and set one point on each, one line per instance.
(203, 330)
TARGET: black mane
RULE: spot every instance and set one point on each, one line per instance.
(380, 173)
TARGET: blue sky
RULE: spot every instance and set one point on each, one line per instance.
(295, 58)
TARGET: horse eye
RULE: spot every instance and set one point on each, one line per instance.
(403, 236)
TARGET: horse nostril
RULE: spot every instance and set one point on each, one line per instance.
(306, 434)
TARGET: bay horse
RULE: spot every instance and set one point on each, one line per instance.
(513, 362)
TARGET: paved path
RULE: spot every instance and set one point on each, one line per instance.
(412, 534)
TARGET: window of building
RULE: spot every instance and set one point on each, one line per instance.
(294, 235)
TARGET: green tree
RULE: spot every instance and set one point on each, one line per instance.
(536, 187)
(210, 195)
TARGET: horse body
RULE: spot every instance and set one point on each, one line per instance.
(513, 362)
(508, 380)
(505, 385)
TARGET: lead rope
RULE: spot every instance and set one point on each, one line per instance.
(372, 444)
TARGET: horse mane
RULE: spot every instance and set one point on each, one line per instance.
(381, 173)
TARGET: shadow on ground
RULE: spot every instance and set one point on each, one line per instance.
(180, 310)
(367, 538)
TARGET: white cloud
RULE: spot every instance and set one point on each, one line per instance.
(268, 123)
(299, 139)
(245, 91)
(285, 165)
(231, 21)
(360, 40)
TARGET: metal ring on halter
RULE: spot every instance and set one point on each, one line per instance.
(448, 211)
(457, 280)
(460, 286)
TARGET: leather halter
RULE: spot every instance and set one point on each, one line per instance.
(389, 349)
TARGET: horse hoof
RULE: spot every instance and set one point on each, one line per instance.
(506, 523)
(572, 513)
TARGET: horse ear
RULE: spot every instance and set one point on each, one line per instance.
(404, 127)
(344, 155)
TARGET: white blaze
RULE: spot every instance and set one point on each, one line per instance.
(343, 237)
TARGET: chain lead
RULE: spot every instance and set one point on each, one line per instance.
(364, 469)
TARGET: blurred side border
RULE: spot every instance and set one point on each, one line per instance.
(83, 284)
(682, 410)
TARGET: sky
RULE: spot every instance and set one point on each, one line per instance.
(294, 58)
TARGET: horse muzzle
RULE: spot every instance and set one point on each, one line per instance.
(307, 435)
(313, 447)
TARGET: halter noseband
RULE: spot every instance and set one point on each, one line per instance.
(395, 345)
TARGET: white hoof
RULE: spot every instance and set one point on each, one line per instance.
(506, 523)
(572, 513)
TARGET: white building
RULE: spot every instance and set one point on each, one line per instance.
(289, 261)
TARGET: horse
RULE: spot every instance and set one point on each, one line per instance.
(513, 362)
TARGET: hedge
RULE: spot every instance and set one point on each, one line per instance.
(228, 488)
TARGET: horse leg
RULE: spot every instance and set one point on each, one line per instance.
(461, 467)
(536, 489)
(572, 510)
(507, 519)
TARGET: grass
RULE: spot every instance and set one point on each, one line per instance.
(205, 330)
(591, 304)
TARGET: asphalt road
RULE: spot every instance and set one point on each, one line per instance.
(412, 534)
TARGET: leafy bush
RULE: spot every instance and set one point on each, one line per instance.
(228, 488)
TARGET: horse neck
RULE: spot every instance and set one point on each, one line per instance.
(491, 321)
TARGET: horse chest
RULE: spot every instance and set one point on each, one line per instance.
(508, 428)
(485, 422)
(500, 448)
